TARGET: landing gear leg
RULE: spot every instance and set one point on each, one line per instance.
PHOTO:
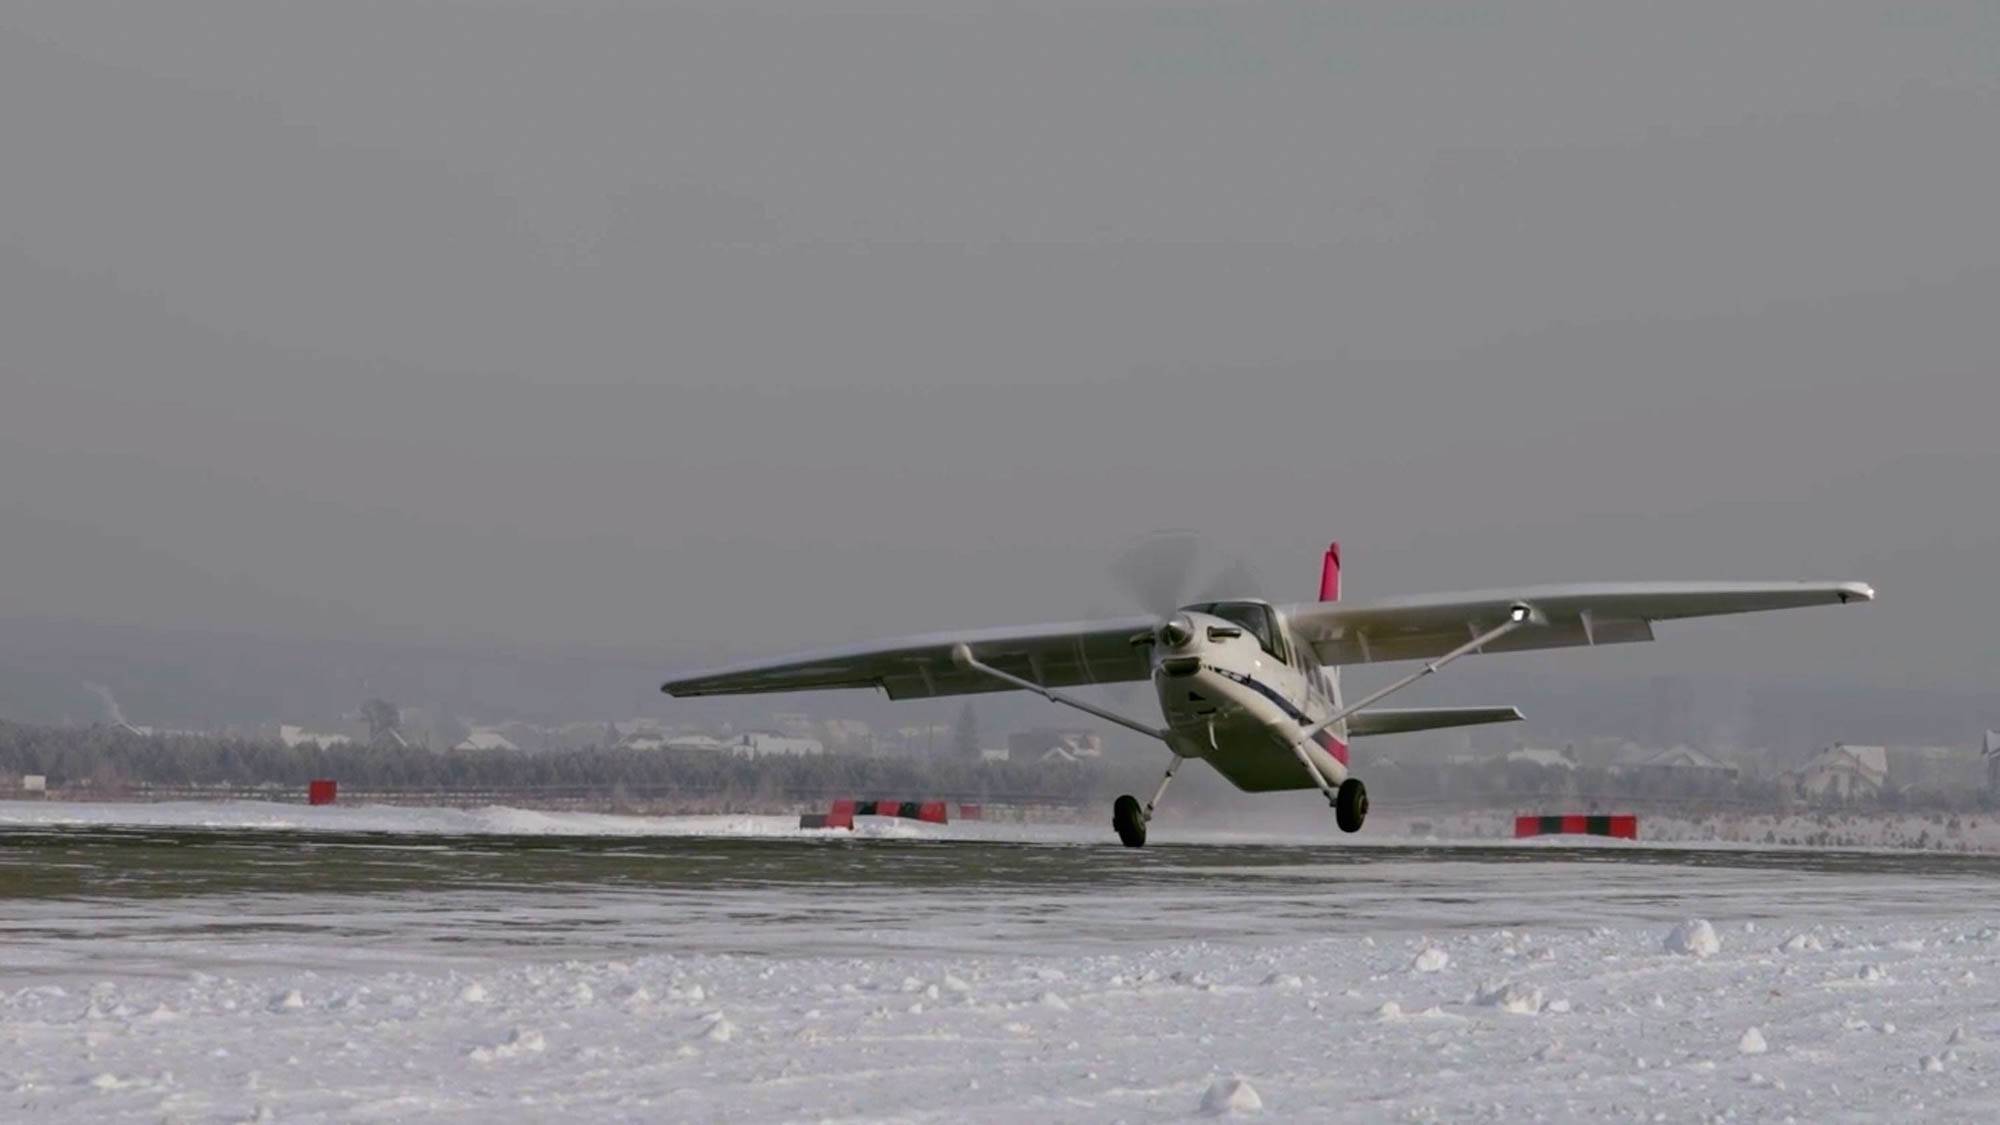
(1350, 807)
(1129, 818)
(1173, 767)
(1349, 801)
(1312, 771)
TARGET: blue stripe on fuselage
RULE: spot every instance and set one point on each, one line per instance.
(1325, 738)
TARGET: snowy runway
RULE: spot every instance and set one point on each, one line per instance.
(320, 973)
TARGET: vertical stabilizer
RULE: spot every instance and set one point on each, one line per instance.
(1329, 591)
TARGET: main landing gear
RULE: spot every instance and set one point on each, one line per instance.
(1129, 821)
(1350, 805)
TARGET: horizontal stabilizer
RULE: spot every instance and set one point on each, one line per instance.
(1405, 720)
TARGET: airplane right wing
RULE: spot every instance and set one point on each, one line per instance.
(1600, 613)
(1366, 724)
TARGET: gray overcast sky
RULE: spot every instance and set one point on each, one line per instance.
(724, 327)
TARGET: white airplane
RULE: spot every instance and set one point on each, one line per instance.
(1253, 689)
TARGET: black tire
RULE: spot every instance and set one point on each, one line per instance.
(1128, 819)
(1350, 807)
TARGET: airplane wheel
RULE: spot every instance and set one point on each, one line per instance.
(1128, 819)
(1350, 806)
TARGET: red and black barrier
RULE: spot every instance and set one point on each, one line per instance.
(843, 812)
(1624, 827)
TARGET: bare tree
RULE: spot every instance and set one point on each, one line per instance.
(385, 723)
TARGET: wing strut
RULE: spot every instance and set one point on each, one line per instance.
(961, 655)
(1518, 615)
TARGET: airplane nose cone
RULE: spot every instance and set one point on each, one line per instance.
(1176, 632)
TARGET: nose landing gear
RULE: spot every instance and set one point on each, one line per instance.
(1129, 817)
(1350, 805)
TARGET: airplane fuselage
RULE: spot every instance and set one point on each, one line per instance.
(1237, 693)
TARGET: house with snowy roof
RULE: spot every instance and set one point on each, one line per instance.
(1685, 761)
(1541, 756)
(296, 736)
(764, 743)
(485, 738)
(1844, 773)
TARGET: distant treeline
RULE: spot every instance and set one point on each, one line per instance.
(108, 758)
(112, 761)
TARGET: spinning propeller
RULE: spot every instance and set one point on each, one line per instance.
(1156, 571)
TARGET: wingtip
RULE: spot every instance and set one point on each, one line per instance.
(1856, 592)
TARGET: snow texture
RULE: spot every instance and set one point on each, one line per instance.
(1430, 959)
(1859, 1013)
(1232, 1097)
(1694, 938)
(1136, 1034)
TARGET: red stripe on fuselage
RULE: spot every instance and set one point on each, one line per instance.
(1332, 745)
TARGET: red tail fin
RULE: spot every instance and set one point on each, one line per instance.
(1329, 575)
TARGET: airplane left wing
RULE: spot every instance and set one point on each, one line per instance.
(1067, 655)
(1428, 626)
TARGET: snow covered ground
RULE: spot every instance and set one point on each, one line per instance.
(1247, 980)
(1830, 1023)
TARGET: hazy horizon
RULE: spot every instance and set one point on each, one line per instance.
(715, 329)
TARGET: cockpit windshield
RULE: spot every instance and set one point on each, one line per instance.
(1256, 619)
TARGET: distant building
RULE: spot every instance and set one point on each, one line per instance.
(654, 739)
(1030, 745)
(1844, 773)
(1936, 769)
(639, 734)
(795, 724)
(1681, 764)
(760, 743)
(155, 732)
(299, 736)
(848, 734)
(485, 738)
(1547, 759)
(995, 754)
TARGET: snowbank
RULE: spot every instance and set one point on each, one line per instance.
(494, 820)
